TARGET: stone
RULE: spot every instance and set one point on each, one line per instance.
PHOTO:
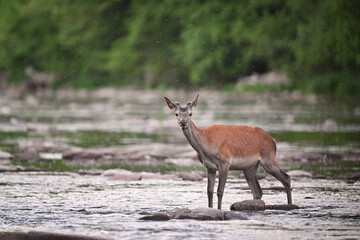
(285, 207)
(248, 205)
(229, 215)
(11, 168)
(269, 78)
(190, 176)
(113, 172)
(329, 125)
(181, 213)
(34, 235)
(27, 157)
(5, 155)
(350, 176)
(121, 175)
(157, 217)
(93, 172)
(200, 214)
(126, 177)
(300, 174)
(157, 176)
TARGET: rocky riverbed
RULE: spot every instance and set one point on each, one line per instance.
(98, 207)
(93, 163)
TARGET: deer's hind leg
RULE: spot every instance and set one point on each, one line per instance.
(251, 178)
(283, 177)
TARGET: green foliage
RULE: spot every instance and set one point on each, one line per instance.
(180, 43)
(335, 83)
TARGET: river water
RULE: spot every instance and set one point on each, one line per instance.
(93, 205)
(96, 206)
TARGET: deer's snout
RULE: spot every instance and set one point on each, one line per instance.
(183, 123)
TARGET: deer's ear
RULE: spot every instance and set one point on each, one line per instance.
(170, 104)
(194, 102)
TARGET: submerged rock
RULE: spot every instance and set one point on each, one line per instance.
(28, 157)
(10, 168)
(158, 176)
(114, 172)
(350, 176)
(200, 214)
(197, 214)
(122, 175)
(282, 207)
(43, 236)
(190, 176)
(259, 205)
(248, 205)
(126, 177)
(5, 155)
(229, 215)
(157, 217)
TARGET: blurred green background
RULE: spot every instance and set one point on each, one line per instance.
(173, 43)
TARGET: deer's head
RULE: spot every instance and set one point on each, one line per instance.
(183, 114)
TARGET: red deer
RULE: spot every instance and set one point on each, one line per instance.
(223, 148)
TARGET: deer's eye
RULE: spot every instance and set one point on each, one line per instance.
(176, 114)
(190, 114)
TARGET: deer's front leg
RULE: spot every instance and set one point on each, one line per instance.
(210, 187)
(223, 174)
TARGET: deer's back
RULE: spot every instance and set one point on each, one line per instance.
(239, 142)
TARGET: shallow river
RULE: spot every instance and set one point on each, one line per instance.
(96, 206)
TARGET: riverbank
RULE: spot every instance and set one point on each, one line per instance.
(79, 130)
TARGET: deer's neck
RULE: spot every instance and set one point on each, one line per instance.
(194, 135)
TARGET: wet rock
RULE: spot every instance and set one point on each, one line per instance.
(40, 128)
(126, 177)
(148, 175)
(121, 175)
(197, 214)
(285, 207)
(43, 236)
(248, 205)
(300, 174)
(269, 78)
(38, 80)
(234, 216)
(329, 125)
(113, 172)
(5, 155)
(10, 168)
(93, 172)
(89, 155)
(200, 214)
(156, 217)
(190, 176)
(350, 176)
(27, 157)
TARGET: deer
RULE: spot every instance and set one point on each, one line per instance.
(221, 148)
